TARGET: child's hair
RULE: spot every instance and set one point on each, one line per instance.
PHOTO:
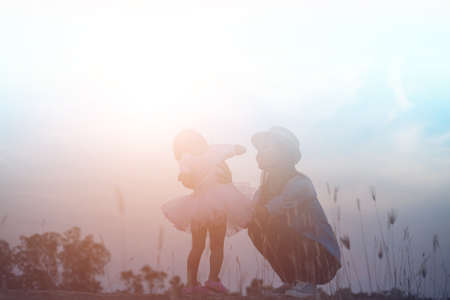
(189, 141)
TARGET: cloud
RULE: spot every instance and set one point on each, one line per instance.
(402, 103)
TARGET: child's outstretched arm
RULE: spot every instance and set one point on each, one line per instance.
(223, 152)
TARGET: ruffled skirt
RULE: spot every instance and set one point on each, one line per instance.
(208, 205)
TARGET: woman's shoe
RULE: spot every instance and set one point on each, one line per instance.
(282, 289)
(216, 286)
(301, 290)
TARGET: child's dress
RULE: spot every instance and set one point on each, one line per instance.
(210, 198)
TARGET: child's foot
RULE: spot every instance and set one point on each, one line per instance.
(216, 286)
(195, 290)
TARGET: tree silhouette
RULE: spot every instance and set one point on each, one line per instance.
(6, 264)
(155, 279)
(133, 282)
(176, 286)
(82, 260)
(52, 260)
(36, 257)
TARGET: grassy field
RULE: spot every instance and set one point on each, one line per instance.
(65, 295)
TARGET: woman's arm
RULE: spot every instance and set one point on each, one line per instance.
(292, 196)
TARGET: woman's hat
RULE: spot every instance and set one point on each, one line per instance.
(278, 135)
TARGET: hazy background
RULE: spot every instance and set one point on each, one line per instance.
(93, 92)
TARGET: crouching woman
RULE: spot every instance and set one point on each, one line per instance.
(290, 228)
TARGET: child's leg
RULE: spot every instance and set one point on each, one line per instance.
(217, 233)
(198, 245)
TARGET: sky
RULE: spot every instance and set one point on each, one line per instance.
(93, 92)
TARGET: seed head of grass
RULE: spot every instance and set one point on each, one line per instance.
(335, 194)
(346, 241)
(120, 201)
(358, 204)
(380, 252)
(328, 189)
(392, 217)
(373, 193)
(406, 234)
(423, 266)
(161, 235)
(435, 242)
(5, 217)
(423, 270)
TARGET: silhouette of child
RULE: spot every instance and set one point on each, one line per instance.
(213, 206)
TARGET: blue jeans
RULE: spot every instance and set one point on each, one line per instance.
(292, 256)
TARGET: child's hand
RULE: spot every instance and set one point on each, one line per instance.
(186, 180)
(223, 174)
(239, 149)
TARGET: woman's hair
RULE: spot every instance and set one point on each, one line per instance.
(291, 155)
(189, 141)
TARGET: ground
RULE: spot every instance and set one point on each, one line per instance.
(65, 295)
